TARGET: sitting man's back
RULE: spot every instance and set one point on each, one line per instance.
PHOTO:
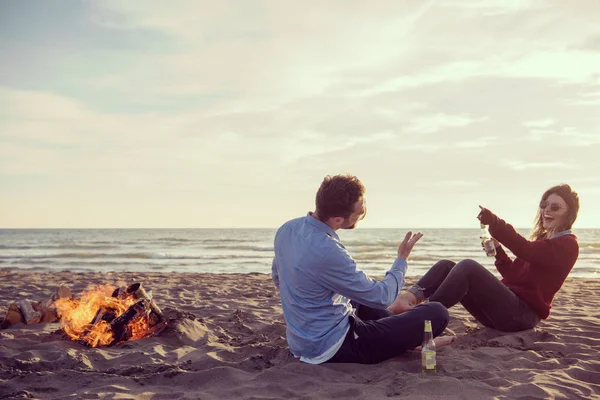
(318, 279)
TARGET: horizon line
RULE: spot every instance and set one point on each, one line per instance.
(250, 228)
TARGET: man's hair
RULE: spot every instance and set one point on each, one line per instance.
(570, 197)
(337, 195)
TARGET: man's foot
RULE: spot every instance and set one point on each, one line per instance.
(404, 302)
(441, 341)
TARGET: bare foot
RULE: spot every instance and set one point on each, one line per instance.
(404, 302)
(441, 341)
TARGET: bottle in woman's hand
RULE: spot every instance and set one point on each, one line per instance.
(486, 242)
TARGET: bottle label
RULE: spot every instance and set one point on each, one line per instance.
(428, 359)
(490, 248)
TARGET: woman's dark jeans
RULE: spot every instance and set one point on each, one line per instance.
(479, 291)
(377, 335)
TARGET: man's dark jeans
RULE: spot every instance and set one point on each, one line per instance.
(377, 335)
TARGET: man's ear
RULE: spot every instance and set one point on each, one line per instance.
(338, 221)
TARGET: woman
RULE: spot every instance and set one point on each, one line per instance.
(524, 296)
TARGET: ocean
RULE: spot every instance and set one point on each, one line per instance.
(240, 250)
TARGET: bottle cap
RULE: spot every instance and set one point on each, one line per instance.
(427, 325)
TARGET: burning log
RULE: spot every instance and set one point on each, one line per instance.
(155, 316)
(120, 326)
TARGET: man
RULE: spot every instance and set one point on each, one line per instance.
(333, 311)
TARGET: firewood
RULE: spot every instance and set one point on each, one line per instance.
(49, 315)
(13, 316)
(155, 315)
(48, 308)
(62, 292)
(120, 325)
(30, 315)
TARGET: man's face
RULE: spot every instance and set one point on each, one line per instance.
(360, 210)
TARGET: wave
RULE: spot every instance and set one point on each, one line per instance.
(138, 255)
(71, 246)
(172, 239)
(241, 247)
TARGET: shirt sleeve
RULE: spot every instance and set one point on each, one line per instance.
(275, 272)
(339, 273)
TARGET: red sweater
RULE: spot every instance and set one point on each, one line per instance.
(540, 267)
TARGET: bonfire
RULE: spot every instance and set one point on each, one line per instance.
(105, 316)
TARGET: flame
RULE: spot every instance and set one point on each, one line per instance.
(77, 316)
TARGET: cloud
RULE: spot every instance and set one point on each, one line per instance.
(521, 166)
(227, 106)
(544, 123)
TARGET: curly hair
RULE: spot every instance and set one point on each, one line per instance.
(337, 195)
(570, 197)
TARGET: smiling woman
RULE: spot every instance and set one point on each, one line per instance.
(558, 211)
(524, 296)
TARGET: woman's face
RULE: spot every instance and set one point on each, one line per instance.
(554, 212)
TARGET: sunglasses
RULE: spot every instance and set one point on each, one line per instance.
(553, 206)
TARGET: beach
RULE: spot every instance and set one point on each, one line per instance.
(226, 340)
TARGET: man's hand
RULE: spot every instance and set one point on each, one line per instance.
(407, 244)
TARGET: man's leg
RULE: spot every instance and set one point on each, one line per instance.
(373, 341)
(366, 313)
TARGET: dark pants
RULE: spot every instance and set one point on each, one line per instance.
(377, 335)
(480, 292)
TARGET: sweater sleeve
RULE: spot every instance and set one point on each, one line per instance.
(503, 262)
(539, 252)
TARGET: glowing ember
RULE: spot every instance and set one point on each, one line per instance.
(104, 315)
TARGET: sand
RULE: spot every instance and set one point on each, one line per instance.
(227, 341)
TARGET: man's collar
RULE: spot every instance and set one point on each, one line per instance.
(321, 225)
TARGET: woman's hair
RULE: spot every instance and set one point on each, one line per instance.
(570, 197)
(337, 195)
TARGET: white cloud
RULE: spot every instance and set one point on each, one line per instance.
(544, 123)
(430, 123)
(521, 165)
(249, 106)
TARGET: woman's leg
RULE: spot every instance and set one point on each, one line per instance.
(426, 286)
(483, 295)
(432, 280)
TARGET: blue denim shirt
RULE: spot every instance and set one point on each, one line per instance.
(317, 278)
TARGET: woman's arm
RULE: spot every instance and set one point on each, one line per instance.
(544, 252)
(503, 262)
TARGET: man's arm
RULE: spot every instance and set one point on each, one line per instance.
(338, 272)
(275, 272)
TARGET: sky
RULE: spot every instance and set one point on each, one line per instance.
(204, 114)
